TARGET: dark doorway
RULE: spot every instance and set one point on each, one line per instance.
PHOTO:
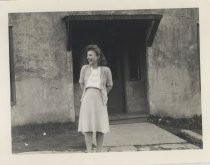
(116, 101)
(102, 33)
(124, 43)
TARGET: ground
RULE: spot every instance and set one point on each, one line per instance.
(63, 137)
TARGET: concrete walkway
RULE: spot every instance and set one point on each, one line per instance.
(139, 134)
(142, 136)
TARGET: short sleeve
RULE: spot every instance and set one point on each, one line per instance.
(109, 78)
(81, 77)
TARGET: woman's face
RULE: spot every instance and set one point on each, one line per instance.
(92, 57)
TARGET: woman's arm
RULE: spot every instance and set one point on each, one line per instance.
(81, 78)
(81, 85)
(109, 84)
(109, 88)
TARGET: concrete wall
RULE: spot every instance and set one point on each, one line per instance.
(43, 69)
(77, 97)
(44, 77)
(173, 65)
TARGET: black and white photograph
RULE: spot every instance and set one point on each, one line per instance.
(104, 82)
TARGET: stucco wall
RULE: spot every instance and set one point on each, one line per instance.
(44, 73)
(173, 65)
(77, 98)
(43, 69)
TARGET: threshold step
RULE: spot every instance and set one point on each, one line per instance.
(124, 118)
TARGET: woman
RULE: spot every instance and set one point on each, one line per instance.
(96, 82)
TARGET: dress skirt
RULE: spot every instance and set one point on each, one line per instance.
(93, 115)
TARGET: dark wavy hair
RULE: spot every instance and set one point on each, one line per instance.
(102, 60)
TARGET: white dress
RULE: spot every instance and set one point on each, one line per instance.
(93, 115)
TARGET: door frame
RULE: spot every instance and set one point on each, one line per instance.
(82, 15)
(105, 15)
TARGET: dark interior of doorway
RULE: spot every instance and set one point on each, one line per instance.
(115, 38)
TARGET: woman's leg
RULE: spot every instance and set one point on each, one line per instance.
(99, 141)
(88, 140)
